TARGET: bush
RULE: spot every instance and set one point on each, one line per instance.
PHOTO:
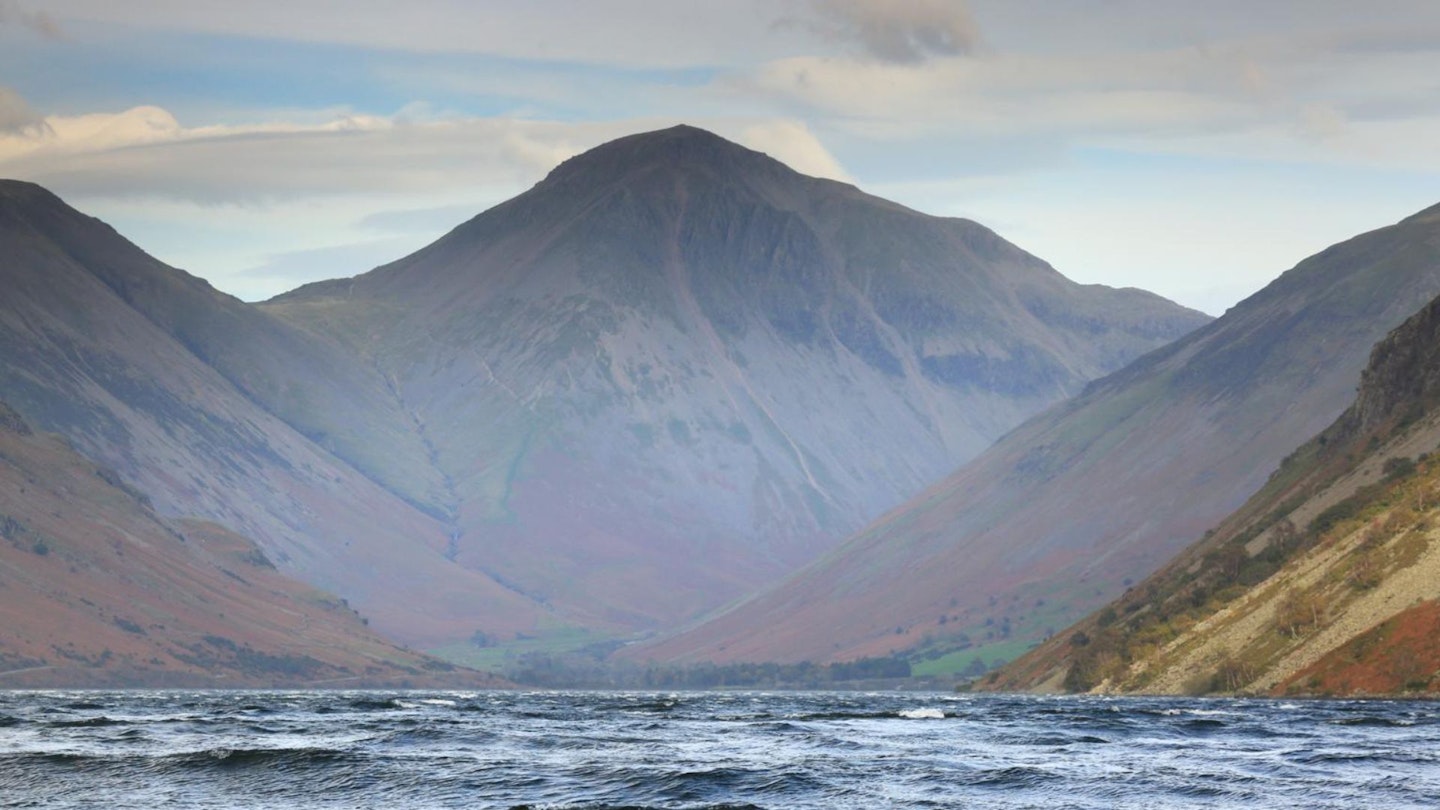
(1398, 467)
(1231, 675)
(1366, 571)
(1299, 612)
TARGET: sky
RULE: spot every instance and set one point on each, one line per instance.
(1195, 149)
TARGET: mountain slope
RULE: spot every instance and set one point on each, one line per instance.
(98, 590)
(675, 369)
(182, 390)
(1327, 581)
(1066, 510)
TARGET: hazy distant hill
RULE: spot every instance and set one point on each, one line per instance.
(97, 590)
(204, 404)
(1326, 582)
(676, 369)
(1060, 515)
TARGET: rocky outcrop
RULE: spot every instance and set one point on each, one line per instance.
(1403, 378)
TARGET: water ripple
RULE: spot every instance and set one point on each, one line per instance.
(686, 751)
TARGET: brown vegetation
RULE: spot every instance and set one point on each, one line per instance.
(98, 590)
(1260, 599)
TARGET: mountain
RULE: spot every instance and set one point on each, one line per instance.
(1067, 510)
(675, 369)
(210, 407)
(96, 589)
(1326, 582)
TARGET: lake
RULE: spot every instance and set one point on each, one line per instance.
(215, 749)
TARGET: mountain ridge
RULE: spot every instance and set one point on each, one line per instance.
(670, 291)
(1099, 489)
(146, 369)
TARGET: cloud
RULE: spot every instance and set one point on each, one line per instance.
(146, 152)
(897, 31)
(676, 33)
(15, 115)
(436, 218)
(793, 144)
(283, 271)
(1005, 96)
(39, 22)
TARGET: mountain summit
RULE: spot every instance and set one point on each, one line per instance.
(676, 369)
(677, 149)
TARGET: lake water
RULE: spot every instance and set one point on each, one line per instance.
(708, 750)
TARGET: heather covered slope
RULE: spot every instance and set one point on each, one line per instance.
(1064, 512)
(185, 393)
(97, 590)
(676, 369)
(1326, 582)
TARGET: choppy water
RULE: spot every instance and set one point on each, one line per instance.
(708, 750)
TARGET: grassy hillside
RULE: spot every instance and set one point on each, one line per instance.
(1324, 582)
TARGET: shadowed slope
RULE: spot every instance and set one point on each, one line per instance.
(182, 391)
(1063, 512)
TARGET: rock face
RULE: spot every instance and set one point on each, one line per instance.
(96, 589)
(1403, 377)
(1326, 582)
(1064, 512)
(676, 369)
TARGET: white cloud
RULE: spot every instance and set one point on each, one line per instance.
(1004, 95)
(1317, 94)
(146, 152)
(793, 144)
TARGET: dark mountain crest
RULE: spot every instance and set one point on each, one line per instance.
(26, 194)
(678, 148)
(1402, 380)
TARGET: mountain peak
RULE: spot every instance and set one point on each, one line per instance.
(27, 194)
(678, 148)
